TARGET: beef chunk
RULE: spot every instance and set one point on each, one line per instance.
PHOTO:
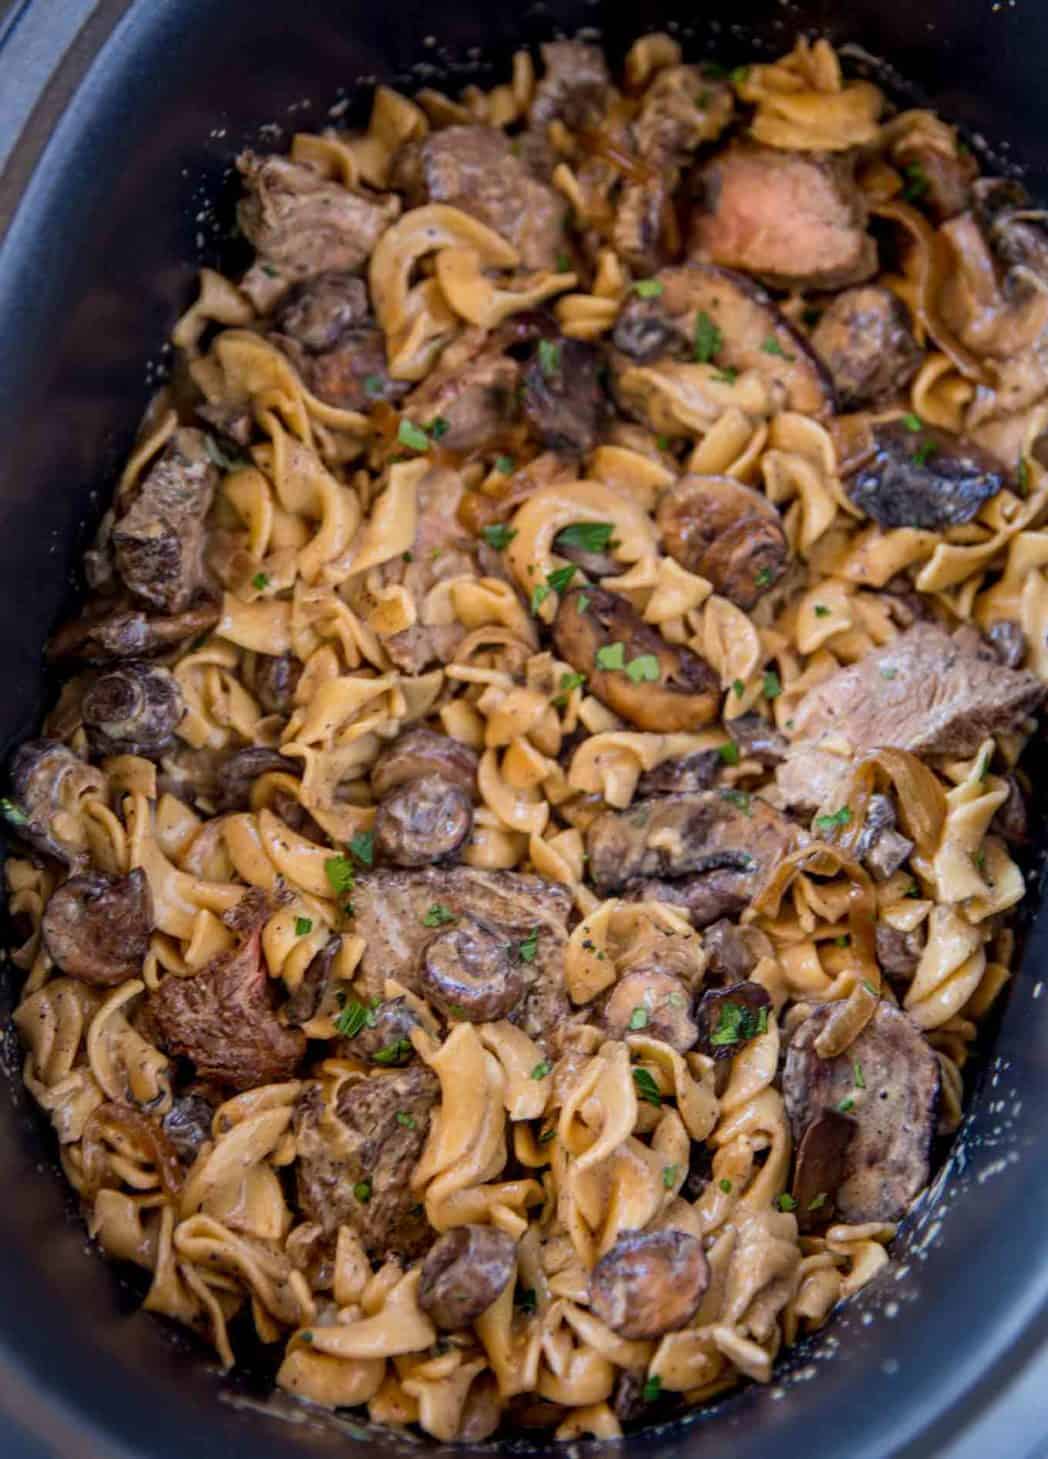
(563, 399)
(356, 1160)
(97, 927)
(475, 169)
(302, 224)
(47, 781)
(731, 951)
(920, 693)
(706, 897)
(385, 1037)
(133, 710)
(898, 953)
(107, 631)
(466, 1270)
(685, 695)
(221, 1019)
(894, 1108)
(795, 219)
(319, 311)
(880, 845)
(678, 835)
(473, 391)
(326, 330)
(1009, 642)
(758, 739)
(400, 913)
(865, 341)
(1011, 820)
(574, 88)
(726, 532)
(930, 478)
(159, 540)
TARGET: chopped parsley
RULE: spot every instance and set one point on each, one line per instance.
(669, 1176)
(498, 535)
(638, 1019)
(545, 1136)
(725, 1186)
(260, 581)
(843, 941)
(1022, 476)
(549, 357)
(771, 346)
(539, 594)
(839, 817)
(568, 682)
(729, 752)
(889, 673)
(585, 536)
(771, 686)
(651, 1390)
(738, 798)
(739, 74)
(763, 578)
(913, 422)
(354, 1017)
(648, 288)
(817, 1201)
(821, 610)
(738, 1023)
(611, 656)
(392, 1053)
(405, 1120)
(528, 949)
(563, 263)
(339, 872)
(13, 814)
(643, 669)
(409, 434)
(646, 1088)
(845, 1105)
(860, 1078)
(362, 847)
(362, 1191)
(785, 1202)
(438, 427)
(222, 458)
(870, 988)
(714, 71)
(560, 578)
(924, 452)
(438, 916)
(708, 338)
(663, 442)
(916, 182)
(542, 1070)
(739, 688)
(582, 602)
(374, 385)
(727, 376)
(303, 926)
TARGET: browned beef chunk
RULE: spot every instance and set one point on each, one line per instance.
(921, 693)
(928, 478)
(419, 752)
(356, 1160)
(159, 540)
(679, 835)
(221, 1019)
(235, 422)
(473, 390)
(821, 1165)
(888, 1081)
(475, 169)
(400, 913)
(302, 224)
(649, 1283)
(563, 400)
(880, 845)
(236, 773)
(319, 311)
(108, 631)
(685, 776)
(276, 679)
(47, 781)
(684, 695)
(898, 953)
(865, 341)
(96, 927)
(325, 329)
(705, 896)
(132, 710)
(795, 219)
(726, 532)
(938, 184)
(732, 951)
(574, 88)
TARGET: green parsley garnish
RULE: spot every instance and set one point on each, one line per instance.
(582, 602)
(1022, 476)
(549, 357)
(306, 1337)
(663, 442)
(725, 1186)
(669, 1176)
(362, 847)
(643, 669)
(406, 1120)
(738, 688)
(362, 1191)
(846, 1104)
(817, 1201)
(771, 687)
(303, 926)
(737, 1023)
(542, 1070)
(611, 656)
(727, 376)
(585, 536)
(860, 1080)
(539, 594)
(729, 752)
(647, 1089)
(221, 457)
(438, 427)
(870, 988)
(924, 452)
(739, 74)
(545, 1136)
(843, 941)
(339, 872)
(528, 950)
(740, 798)
(409, 434)
(374, 385)
(392, 1053)
(821, 610)
(260, 581)
(786, 1202)
(563, 263)
(354, 1017)
(913, 422)
(13, 814)
(763, 578)
(568, 682)
(916, 182)
(708, 338)
(889, 673)
(505, 465)
(651, 1389)
(438, 916)
(498, 535)
(771, 346)
(648, 288)
(638, 1019)
(839, 817)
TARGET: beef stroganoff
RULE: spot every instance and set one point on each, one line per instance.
(515, 872)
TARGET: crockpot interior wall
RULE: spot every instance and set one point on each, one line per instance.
(98, 262)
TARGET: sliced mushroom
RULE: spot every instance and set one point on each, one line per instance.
(187, 1125)
(465, 1271)
(423, 821)
(276, 679)
(758, 740)
(928, 478)
(686, 692)
(733, 951)
(563, 400)
(48, 780)
(686, 776)
(1009, 642)
(865, 341)
(133, 710)
(887, 1081)
(239, 771)
(880, 846)
(724, 531)
(649, 1283)
(420, 752)
(386, 1035)
(820, 1167)
(729, 1017)
(119, 632)
(1011, 819)
(655, 1004)
(97, 927)
(305, 1001)
(467, 972)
